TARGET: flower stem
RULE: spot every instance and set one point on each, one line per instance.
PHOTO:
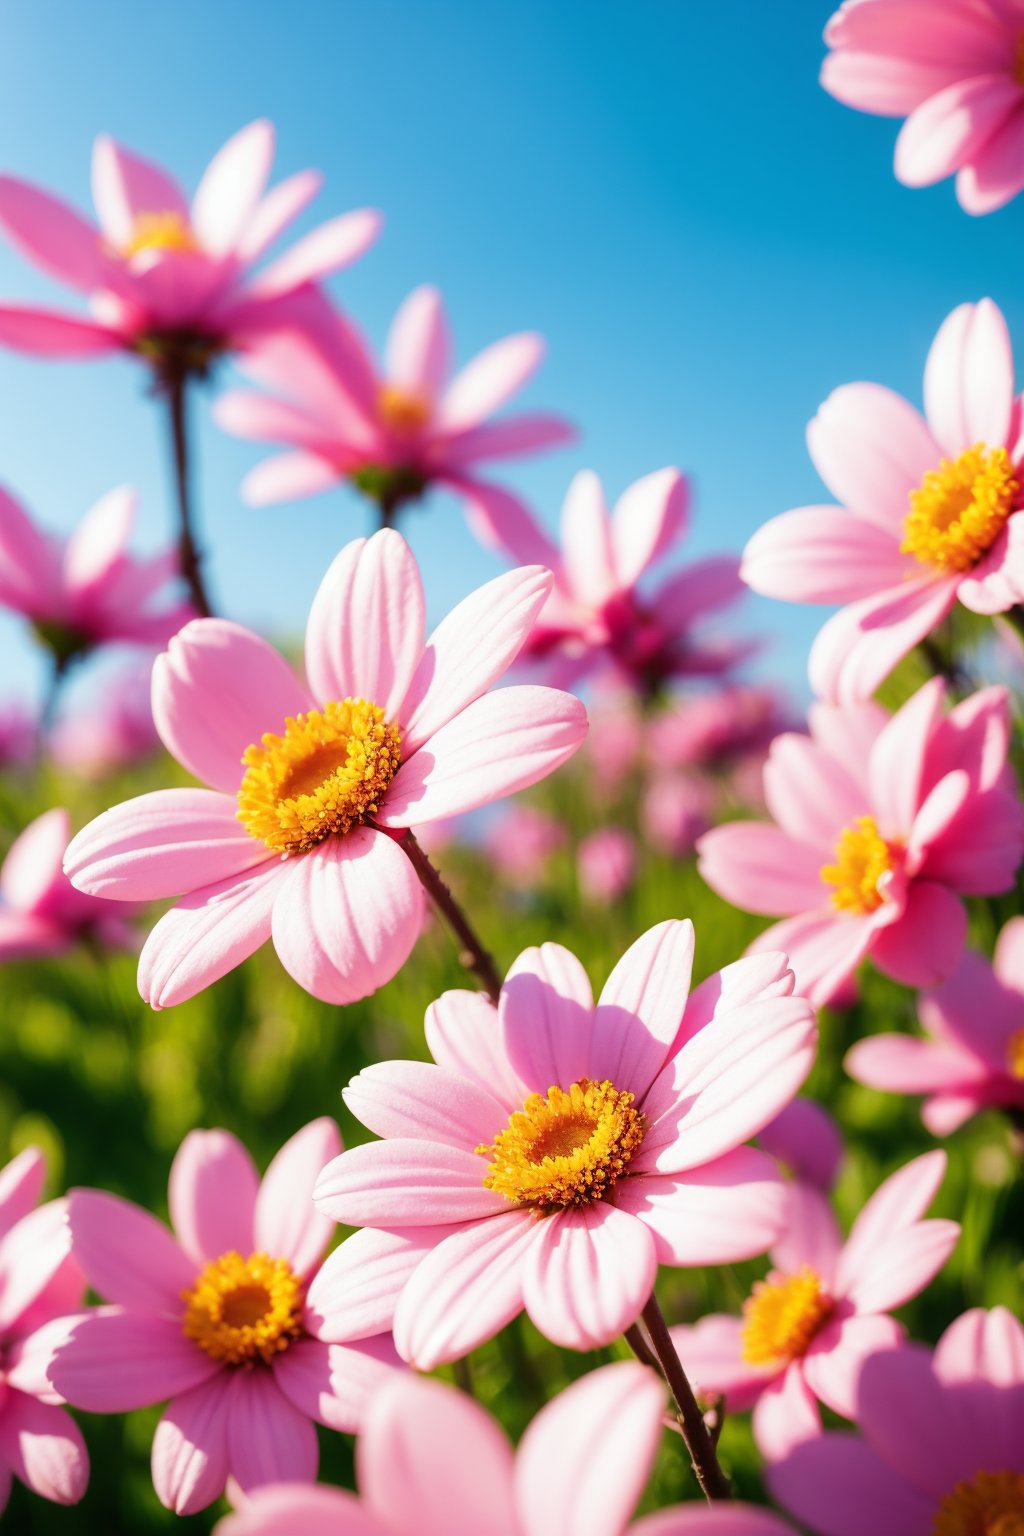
(699, 1442)
(472, 953)
(175, 383)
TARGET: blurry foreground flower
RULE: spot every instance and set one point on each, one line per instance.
(301, 836)
(41, 913)
(884, 823)
(220, 1318)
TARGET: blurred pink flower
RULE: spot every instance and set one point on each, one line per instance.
(165, 278)
(883, 824)
(807, 1329)
(645, 1108)
(393, 431)
(973, 1054)
(229, 1318)
(115, 731)
(712, 730)
(299, 838)
(676, 810)
(615, 742)
(40, 1287)
(955, 71)
(928, 515)
(41, 913)
(596, 615)
(940, 1449)
(86, 590)
(805, 1137)
(606, 864)
(431, 1462)
(18, 729)
(520, 841)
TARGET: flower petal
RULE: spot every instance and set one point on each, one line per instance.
(464, 1036)
(212, 1195)
(287, 1224)
(125, 185)
(44, 1448)
(419, 346)
(405, 1183)
(334, 1383)
(859, 646)
(52, 235)
(424, 1102)
(190, 1447)
(871, 448)
(641, 1007)
(726, 1211)
(648, 519)
(546, 1016)
(326, 249)
(589, 1275)
(128, 1256)
(116, 1361)
(821, 555)
(231, 187)
(354, 1293)
(761, 868)
(923, 947)
(489, 379)
(269, 1440)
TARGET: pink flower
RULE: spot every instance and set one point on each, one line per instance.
(230, 1318)
(606, 864)
(956, 73)
(431, 1462)
(941, 1448)
(928, 515)
(676, 810)
(40, 1285)
(390, 431)
(41, 913)
(823, 1310)
(805, 1137)
(558, 1152)
(972, 1056)
(164, 279)
(615, 742)
(86, 590)
(713, 730)
(116, 731)
(882, 825)
(299, 837)
(520, 841)
(597, 616)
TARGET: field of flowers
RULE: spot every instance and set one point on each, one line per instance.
(534, 1023)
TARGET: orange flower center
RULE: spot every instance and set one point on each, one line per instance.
(863, 857)
(781, 1317)
(1015, 1054)
(959, 510)
(163, 231)
(403, 411)
(242, 1310)
(991, 1504)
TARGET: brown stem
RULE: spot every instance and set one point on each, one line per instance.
(640, 1347)
(472, 953)
(175, 383)
(699, 1442)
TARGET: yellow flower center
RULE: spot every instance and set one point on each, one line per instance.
(325, 775)
(958, 511)
(991, 1504)
(862, 858)
(244, 1309)
(565, 1148)
(165, 231)
(781, 1317)
(403, 410)
(1015, 1054)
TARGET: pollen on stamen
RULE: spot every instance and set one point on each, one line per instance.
(960, 509)
(403, 410)
(781, 1317)
(988, 1504)
(244, 1309)
(1015, 1055)
(165, 230)
(863, 858)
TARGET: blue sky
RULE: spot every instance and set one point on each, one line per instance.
(708, 241)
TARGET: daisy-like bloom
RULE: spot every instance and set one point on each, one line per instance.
(941, 1452)
(715, 730)
(312, 788)
(170, 282)
(928, 513)
(223, 1317)
(955, 71)
(606, 864)
(557, 1152)
(41, 1287)
(807, 1329)
(431, 1462)
(883, 824)
(972, 1056)
(87, 590)
(393, 430)
(41, 913)
(597, 616)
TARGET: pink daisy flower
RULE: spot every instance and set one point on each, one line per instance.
(165, 279)
(883, 824)
(929, 513)
(222, 1316)
(941, 1452)
(391, 431)
(606, 864)
(556, 1153)
(597, 615)
(41, 913)
(40, 1287)
(579, 1470)
(300, 835)
(86, 590)
(972, 1056)
(807, 1329)
(955, 71)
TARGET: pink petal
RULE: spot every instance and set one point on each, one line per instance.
(589, 1275)
(334, 1383)
(231, 187)
(809, 794)
(216, 690)
(501, 743)
(874, 1242)
(44, 1448)
(730, 1209)
(269, 1440)
(97, 545)
(29, 576)
(898, 758)
(821, 555)
(287, 1223)
(488, 380)
(405, 1183)
(837, 1485)
(425, 1102)
(700, 588)
(190, 1447)
(348, 916)
(419, 346)
(848, 735)
(648, 519)
(994, 584)
(948, 130)
(31, 872)
(832, 1365)
(31, 1254)
(277, 1510)
(46, 333)
(807, 1139)
(711, 1352)
(761, 868)
(743, 981)
(52, 235)
(811, 1234)
(546, 1014)
(128, 1256)
(589, 561)
(641, 1007)
(288, 477)
(275, 212)
(264, 418)
(996, 175)
(785, 1415)
(711, 1520)
(212, 1196)
(861, 644)
(968, 379)
(824, 949)
(1009, 956)
(871, 448)
(978, 850)
(979, 1360)
(501, 520)
(463, 1036)
(354, 1293)
(115, 1361)
(125, 185)
(324, 250)
(913, 1425)
(606, 1428)
(924, 945)
(508, 438)
(21, 1184)
(905, 1064)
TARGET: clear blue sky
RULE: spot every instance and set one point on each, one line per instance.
(708, 241)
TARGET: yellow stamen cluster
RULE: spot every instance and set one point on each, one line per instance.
(566, 1148)
(991, 1504)
(403, 410)
(242, 1310)
(325, 775)
(1015, 1054)
(959, 510)
(165, 231)
(781, 1317)
(862, 858)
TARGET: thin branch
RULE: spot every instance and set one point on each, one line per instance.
(472, 953)
(699, 1442)
(175, 383)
